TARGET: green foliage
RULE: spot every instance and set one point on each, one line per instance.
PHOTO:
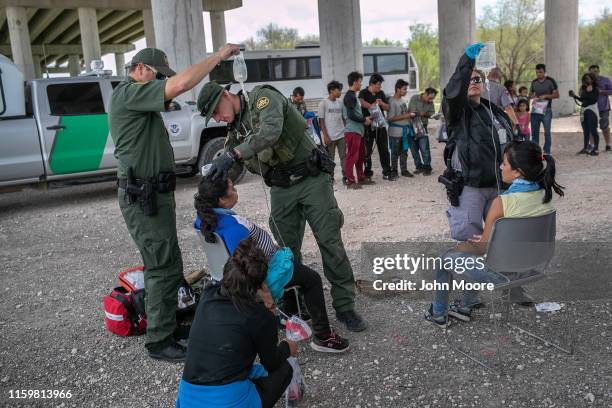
(517, 27)
(423, 43)
(275, 37)
(595, 45)
(382, 42)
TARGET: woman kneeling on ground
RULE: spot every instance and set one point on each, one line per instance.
(531, 176)
(214, 202)
(229, 330)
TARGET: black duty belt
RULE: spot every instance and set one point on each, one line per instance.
(163, 183)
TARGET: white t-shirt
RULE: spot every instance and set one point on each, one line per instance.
(331, 111)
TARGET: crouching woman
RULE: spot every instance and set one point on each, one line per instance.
(229, 330)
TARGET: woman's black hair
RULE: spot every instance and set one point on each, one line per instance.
(527, 158)
(207, 198)
(593, 80)
(244, 273)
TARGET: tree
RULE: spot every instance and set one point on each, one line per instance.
(517, 27)
(382, 42)
(595, 40)
(423, 44)
(273, 36)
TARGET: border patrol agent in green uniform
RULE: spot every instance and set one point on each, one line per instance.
(146, 182)
(270, 136)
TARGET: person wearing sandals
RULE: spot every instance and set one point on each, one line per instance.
(214, 202)
(531, 176)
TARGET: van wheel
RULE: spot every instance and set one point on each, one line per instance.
(213, 149)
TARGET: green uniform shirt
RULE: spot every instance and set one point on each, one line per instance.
(137, 129)
(270, 127)
(417, 105)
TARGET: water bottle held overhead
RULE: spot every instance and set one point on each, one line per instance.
(487, 58)
(240, 68)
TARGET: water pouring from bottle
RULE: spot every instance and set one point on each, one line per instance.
(240, 72)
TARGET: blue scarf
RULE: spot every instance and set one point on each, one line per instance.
(520, 185)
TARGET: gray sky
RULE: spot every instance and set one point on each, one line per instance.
(390, 18)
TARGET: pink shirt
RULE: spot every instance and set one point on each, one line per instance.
(523, 122)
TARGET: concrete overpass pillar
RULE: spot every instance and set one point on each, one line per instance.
(90, 38)
(561, 50)
(120, 63)
(37, 67)
(74, 65)
(456, 30)
(341, 48)
(147, 15)
(20, 41)
(179, 32)
(217, 26)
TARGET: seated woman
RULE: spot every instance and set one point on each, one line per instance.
(214, 202)
(229, 330)
(531, 176)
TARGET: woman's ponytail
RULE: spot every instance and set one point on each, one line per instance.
(548, 179)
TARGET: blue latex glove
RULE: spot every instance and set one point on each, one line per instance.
(473, 50)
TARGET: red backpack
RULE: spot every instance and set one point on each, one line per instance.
(124, 307)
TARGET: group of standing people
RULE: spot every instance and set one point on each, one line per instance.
(533, 107)
(357, 123)
(594, 102)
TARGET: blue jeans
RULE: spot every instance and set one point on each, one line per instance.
(473, 274)
(546, 119)
(420, 145)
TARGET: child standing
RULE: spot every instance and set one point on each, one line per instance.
(523, 119)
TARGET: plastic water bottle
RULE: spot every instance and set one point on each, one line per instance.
(240, 68)
(487, 59)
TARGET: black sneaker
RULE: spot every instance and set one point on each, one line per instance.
(406, 173)
(332, 344)
(427, 172)
(583, 151)
(389, 177)
(441, 321)
(173, 353)
(367, 181)
(456, 311)
(418, 171)
(593, 153)
(608, 148)
(352, 320)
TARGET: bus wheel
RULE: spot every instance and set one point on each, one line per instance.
(213, 149)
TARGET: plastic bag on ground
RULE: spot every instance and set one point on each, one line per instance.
(548, 307)
(297, 387)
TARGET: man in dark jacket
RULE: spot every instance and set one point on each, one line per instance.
(478, 131)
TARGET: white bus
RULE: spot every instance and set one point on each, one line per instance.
(288, 68)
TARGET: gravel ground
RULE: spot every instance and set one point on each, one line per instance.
(61, 249)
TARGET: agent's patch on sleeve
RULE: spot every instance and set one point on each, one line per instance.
(262, 102)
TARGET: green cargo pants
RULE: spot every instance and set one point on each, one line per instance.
(313, 200)
(156, 239)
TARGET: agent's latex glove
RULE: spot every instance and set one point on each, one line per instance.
(221, 165)
(473, 50)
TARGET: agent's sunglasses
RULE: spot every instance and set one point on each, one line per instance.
(476, 80)
(158, 75)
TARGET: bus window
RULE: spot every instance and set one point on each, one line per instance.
(294, 68)
(391, 63)
(413, 80)
(368, 64)
(259, 70)
(314, 67)
(277, 68)
(411, 61)
(223, 73)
